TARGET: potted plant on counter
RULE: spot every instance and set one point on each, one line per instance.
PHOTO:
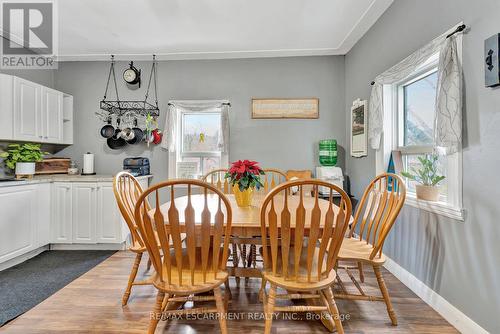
(428, 177)
(244, 176)
(22, 158)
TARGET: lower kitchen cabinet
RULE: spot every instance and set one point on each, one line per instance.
(84, 198)
(109, 224)
(87, 213)
(43, 194)
(62, 227)
(59, 212)
(19, 220)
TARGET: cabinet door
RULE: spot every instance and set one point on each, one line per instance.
(84, 212)
(43, 197)
(52, 116)
(62, 217)
(17, 221)
(108, 216)
(27, 113)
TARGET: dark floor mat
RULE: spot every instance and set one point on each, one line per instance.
(29, 283)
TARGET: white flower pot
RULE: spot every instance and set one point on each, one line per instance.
(427, 193)
(25, 168)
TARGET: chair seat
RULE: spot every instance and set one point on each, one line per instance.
(355, 250)
(187, 287)
(302, 283)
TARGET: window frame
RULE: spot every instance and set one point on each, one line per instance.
(450, 205)
(400, 128)
(179, 153)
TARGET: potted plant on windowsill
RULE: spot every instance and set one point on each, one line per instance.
(428, 178)
(22, 158)
(244, 176)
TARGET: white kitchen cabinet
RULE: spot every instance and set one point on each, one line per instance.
(27, 110)
(62, 213)
(84, 197)
(17, 221)
(52, 116)
(109, 226)
(35, 113)
(43, 217)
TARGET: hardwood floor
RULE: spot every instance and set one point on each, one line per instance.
(92, 304)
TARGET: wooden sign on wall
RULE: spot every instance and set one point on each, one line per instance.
(285, 108)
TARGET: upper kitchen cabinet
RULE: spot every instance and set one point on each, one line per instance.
(27, 110)
(32, 112)
(52, 115)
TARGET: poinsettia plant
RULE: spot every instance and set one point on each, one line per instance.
(246, 174)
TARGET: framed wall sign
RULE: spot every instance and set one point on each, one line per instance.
(285, 108)
(187, 170)
(359, 136)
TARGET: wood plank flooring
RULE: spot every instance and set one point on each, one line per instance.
(92, 304)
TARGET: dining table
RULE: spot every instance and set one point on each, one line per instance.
(246, 225)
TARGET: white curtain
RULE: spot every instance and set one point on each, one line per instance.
(170, 128)
(171, 121)
(448, 115)
(448, 124)
(224, 133)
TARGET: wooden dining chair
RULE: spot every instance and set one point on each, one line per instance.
(272, 178)
(217, 178)
(127, 190)
(300, 175)
(376, 214)
(183, 273)
(300, 248)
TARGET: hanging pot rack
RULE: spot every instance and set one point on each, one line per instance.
(137, 108)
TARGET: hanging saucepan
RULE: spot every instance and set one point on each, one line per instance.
(138, 134)
(108, 130)
(116, 141)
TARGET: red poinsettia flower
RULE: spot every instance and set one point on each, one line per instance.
(245, 174)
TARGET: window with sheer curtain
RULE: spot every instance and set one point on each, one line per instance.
(197, 137)
(415, 107)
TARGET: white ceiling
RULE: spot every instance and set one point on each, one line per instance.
(210, 29)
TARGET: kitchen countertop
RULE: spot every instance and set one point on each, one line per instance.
(64, 178)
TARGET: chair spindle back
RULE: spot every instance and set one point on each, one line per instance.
(272, 178)
(298, 235)
(127, 190)
(217, 178)
(378, 209)
(206, 230)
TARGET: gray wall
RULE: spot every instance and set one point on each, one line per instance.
(458, 260)
(285, 144)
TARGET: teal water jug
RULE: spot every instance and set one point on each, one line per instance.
(328, 152)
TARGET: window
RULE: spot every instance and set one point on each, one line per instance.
(409, 105)
(415, 128)
(198, 149)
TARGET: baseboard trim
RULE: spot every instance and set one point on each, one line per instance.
(21, 258)
(121, 246)
(454, 316)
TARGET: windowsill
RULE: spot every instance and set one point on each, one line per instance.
(440, 208)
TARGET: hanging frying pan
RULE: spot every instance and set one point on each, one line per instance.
(138, 134)
(108, 130)
(116, 141)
